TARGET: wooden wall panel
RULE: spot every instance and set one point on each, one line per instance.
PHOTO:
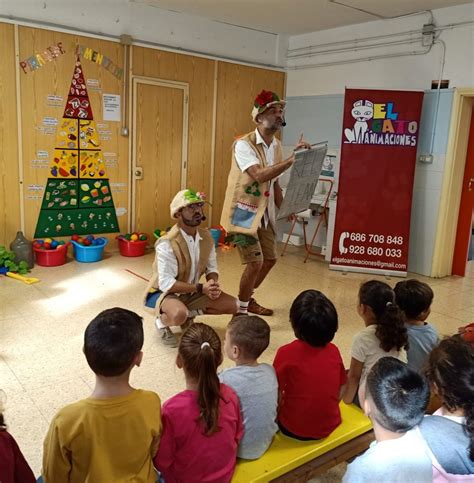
(54, 78)
(9, 177)
(199, 74)
(237, 87)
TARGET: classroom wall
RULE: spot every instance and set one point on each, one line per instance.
(407, 72)
(316, 98)
(220, 99)
(39, 111)
(9, 170)
(152, 24)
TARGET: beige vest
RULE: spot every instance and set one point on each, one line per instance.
(246, 200)
(181, 252)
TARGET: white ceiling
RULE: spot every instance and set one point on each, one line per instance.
(298, 16)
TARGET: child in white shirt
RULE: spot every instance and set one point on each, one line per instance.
(384, 335)
(394, 398)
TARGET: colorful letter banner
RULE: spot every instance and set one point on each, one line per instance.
(378, 155)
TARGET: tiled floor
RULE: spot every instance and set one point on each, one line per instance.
(42, 366)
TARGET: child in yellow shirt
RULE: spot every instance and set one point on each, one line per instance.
(113, 435)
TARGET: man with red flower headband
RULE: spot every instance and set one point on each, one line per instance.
(183, 256)
(253, 195)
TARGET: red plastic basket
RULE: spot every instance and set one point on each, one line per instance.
(132, 248)
(51, 258)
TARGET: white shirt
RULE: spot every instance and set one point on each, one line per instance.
(246, 157)
(400, 460)
(168, 264)
(366, 349)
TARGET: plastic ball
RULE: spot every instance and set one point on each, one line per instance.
(134, 237)
(143, 237)
(47, 245)
(54, 244)
(86, 242)
(48, 240)
(128, 236)
(75, 237)
(90, 237)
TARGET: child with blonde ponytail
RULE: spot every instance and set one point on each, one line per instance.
(202, 426)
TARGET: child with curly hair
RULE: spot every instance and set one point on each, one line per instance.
(449, 432)
(385, 334)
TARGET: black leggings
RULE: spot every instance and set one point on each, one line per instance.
(295, 436)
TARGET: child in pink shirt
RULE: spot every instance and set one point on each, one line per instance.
(202, 426)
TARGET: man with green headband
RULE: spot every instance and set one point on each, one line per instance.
(183, 256)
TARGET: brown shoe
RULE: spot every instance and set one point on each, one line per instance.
(255, 308)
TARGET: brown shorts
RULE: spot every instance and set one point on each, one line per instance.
(193, 301)
(264, 249)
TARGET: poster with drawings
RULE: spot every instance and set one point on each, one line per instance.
(304, 177)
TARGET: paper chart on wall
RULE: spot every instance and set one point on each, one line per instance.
(77, 197)
(304, 177)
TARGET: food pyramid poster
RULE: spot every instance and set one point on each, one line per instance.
(77, 196)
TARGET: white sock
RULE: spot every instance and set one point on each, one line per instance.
(243, 307)
(159, 323)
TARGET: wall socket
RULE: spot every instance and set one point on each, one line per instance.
(425, 158)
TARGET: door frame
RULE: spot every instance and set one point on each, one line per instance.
(184, 86)
(450, 202)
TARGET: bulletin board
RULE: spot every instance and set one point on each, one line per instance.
(44, 103)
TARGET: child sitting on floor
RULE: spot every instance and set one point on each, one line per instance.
(13, 466)
(310, 371)
(415, 298)
(384, 334)
(112, 435)
(255, 384)
(202, 426)
(394, 398)
(449, 433)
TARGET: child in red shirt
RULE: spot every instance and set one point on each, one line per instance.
(310, 371)
(202, 426)
(13, 466)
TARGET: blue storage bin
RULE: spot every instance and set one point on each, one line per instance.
(91, 253)
(216, 234)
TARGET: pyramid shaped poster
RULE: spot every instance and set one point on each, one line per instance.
(77, 196)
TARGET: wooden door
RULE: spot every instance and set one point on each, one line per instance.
(159, 151)
(466, 210)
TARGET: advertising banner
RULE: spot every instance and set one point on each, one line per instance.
(378, 155)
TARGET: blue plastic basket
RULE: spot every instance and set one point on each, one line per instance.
(216, 234)
(91, 253)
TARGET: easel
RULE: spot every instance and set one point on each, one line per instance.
(303, 216)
